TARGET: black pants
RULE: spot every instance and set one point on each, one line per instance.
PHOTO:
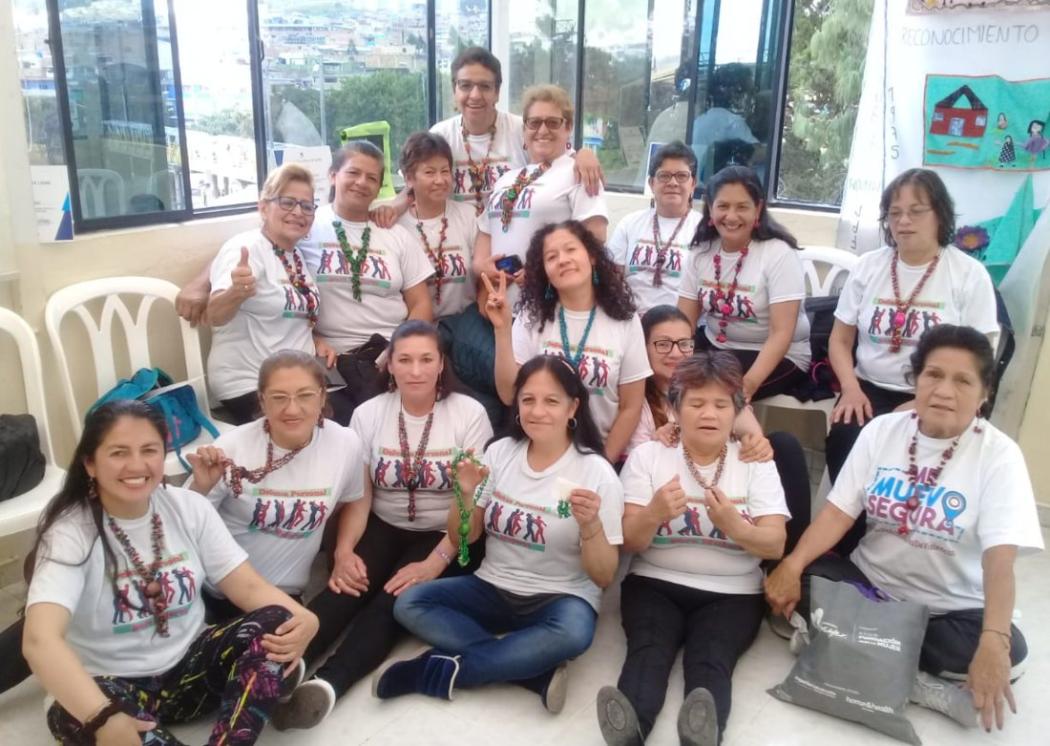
(384, 549)
(951, 639)
(363, 379)
(658, 617)
(840, 441)
(243, 409)
(13, 667)
(794, 478)
(784, 379)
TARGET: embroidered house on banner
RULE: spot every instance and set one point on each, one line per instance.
(950, 119)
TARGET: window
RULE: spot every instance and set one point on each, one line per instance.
(459, 24)
(822, 98)
(542, 43)
(37, 74)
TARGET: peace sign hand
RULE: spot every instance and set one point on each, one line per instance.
(497, 308)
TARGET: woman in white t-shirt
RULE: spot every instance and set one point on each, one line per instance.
(276, 481)
(550, 506)
(444, 228)
(700, 521)
(653, 245)
(371, 278)
(744, 279)
(919, 280)
(394, 538)
(263, 298)
(575, 304)
(114, 626)
(949, 507)
(525, 200)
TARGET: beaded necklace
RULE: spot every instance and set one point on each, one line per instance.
(355, 261)
(725, 300)
(297, 277)
(661, 251)
(148, 575)
(695, 472)
(464, 514)
(521, 181)
(236, 475)
(478, 172)
(902, 306)
(436, 256)
(932, 475)
(574, 360)
(410, 467)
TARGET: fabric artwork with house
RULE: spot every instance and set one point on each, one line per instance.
(987, 122)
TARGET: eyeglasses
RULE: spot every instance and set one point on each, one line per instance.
(666, 177)
(466, 86)
(552, 123)
(304, 399)
(288, 204)
(913, 213)
(663, 346)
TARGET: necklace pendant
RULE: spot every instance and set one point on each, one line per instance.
(902, 530)
(726, 309)
(152, 589)
(913, 502)
(898, 320)
(721, 338)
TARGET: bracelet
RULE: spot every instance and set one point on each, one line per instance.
(100, 718)
(594, 533)
(1007, 638)
(443, 554)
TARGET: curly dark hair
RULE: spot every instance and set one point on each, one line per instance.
(612, 294)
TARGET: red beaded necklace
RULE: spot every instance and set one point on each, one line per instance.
(236, 475)
(297, 277)
(478, 172)
(695, 472)
(900, 315)
(724, 301)
(147, 575)
(661, 251)
(436, 256)
(932, 475)
(410, 467)
(521, 181)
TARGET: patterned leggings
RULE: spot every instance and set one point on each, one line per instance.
(225, 666)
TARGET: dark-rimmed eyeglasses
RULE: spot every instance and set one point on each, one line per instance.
(288, 204)
(665, 177)
(686, 345)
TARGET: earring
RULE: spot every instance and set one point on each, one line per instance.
(548, 294)
(594, 276)
(320, 420)
(757, 223)
(391, 385)
(572, 423)
(517, 420)
(711, 222)
(652, 203)
(92, 489)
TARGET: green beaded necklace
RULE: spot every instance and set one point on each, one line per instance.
(464, 514)
(355, 262)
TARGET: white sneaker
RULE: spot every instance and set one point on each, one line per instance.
(310, 703)
(945, 697)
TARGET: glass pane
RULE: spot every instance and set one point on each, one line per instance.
(460, 24)
(632, 71)
(542, 48)
(344, 64)
(121, 91)
(37, 74)
(822, 98)
(735, 84)
(215, 69)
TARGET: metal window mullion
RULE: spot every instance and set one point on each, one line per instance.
(180, 114)
(58, 60)
(256, 52)
(581, 20)
(431, 84)
(779, 99)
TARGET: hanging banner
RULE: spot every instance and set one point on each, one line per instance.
(936, 6)
(54, 217)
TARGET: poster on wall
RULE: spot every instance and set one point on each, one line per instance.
(54, 217)
(986, 122)
(316, 159)
(936, 6)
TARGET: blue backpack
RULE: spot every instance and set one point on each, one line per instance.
(176, 401)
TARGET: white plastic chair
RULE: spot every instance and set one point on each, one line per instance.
(826, 271)
(73, 299)
(21, 513)
(96, 186)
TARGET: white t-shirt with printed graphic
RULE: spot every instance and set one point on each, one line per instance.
(280, 520)
(395, 261)
(613, 355)
(457, 284)
(275, 318)
(506, 154)
(532, 542)
(459, 422)
(983, 499)
(690, 550)
(115, 635)
(958, 292)
(632, 246)
(771, 273)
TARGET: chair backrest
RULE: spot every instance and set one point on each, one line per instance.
(32, 375)
(101, 192)
(838, 263)
(73, 299)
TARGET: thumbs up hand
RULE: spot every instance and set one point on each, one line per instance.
(241, 277)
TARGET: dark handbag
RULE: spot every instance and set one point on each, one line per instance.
(21, 461)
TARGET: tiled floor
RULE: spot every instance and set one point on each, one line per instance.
(509, 716)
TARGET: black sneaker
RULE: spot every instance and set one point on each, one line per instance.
(309, 704)
(617, 718)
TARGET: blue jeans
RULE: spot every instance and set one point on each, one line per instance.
(462, 616)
